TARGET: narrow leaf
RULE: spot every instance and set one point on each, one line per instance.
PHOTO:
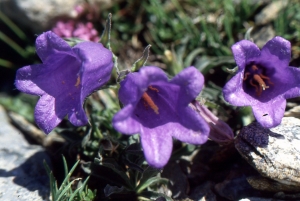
(105, 38)
(141, 61)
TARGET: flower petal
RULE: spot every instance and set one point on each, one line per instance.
(277, 52)
(24, 80)
(194, 127)
(270, 114)
(46, 115)
(49, 43)
(157, 146)
(191, 82)
(78, 117)
(243, 52)
(234, 93)
(124, 123)
(293, 83)
(135, 84)
(96, 66)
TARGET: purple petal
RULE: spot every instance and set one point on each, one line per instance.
(234, 93)
(49, 43)
(24, 81)
(78, 117)
(136, 84)
(96, 66)
(277, 52)
(191, 81)
(270, 114)
(193, 126)
(58, 76)
(66, 77)
(46, 116)
(157, 146)
(124, 123)
(243, 52)
(293, 79)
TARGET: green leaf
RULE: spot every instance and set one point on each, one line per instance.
(248, 34)
(105, 38)
(141, 61)
(148, 173)
(151, 181)
(121, 173)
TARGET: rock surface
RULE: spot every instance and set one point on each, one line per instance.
(22, 174)
(274, 153)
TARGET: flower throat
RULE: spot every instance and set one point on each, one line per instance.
(257, 79)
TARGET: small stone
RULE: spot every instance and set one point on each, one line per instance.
(274, 153)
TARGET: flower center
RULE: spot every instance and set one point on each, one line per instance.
(257, 79)
(148, 100)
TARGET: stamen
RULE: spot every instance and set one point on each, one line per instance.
(150, 102)
(254, 67)
(246, 76)
(153, 88)
(266, 78)
(255, 74)
(77, 81)
(260, 81)
(254, 85)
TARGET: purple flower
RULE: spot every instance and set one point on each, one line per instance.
(66, 77)
(220, 132)
(158, 110)
(264, 79)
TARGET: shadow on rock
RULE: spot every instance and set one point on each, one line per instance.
(30, 174)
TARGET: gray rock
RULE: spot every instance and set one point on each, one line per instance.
(261, 35)
(22, 174)
(273, 153)
(270, 12)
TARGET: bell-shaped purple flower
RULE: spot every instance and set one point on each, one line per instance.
(158, 109)
(220, 132)
(64, 79)
(264, 79)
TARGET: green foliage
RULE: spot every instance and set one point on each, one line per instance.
(22, 104)
(25, 52)
(124, 168)
(65, 191)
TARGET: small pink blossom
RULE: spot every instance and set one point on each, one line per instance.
(71, 28)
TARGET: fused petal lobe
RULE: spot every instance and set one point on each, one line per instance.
(243, 52)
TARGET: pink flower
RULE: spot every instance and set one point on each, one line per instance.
(72, 28)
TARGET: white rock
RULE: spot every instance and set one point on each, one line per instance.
(22, 174)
